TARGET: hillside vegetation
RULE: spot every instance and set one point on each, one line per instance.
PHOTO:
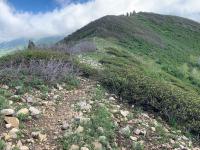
(113, 84)
(151, 60)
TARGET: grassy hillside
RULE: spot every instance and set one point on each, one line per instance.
(150, 60)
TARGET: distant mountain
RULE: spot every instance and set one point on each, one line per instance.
(14, 44)
(21, 43)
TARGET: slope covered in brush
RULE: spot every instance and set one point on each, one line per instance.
(150, 60)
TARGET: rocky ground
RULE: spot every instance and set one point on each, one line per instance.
(85, 118)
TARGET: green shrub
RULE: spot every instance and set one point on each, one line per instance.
(100, 118)
(5, 93)
(2, 145)
(71, 82)
(3, 102)
(168, 100)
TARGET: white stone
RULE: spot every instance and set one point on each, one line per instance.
(133, 138)
(8, 126)
(74, 147)
(65, 125)
(79, 129)
(124, 113)
(153, 129)
(34, 111)
(30, 100)
(137, 131)
(84, 148)
(5, 87)
(111, 98)
(7, 112)
(97, 145)
(13, 133)
(23, 111)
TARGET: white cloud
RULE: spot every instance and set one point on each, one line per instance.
(14, 24)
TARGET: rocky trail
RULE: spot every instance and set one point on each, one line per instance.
(86, 118)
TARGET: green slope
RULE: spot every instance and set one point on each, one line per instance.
(151, 60)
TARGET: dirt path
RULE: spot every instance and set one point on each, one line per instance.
(54, 114)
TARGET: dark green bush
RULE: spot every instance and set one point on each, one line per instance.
(170, 101)
(3, 102)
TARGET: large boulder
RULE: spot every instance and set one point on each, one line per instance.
(31, 45)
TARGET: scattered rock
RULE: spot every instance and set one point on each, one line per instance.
(34, 111)
(65, 126)
(5, 87)
(10, 102)
(31, 45)
(172, 141)
(145, 115)
(23, 111)
(114, 111)
(133, 138)
(59, 87)
(56, 97)
(100, 130)
(84, 106)
(137, 131)
(38, 135)
(9, 146)
(74, 147)
(125, 131)
(30, 140)
(153, 129)
(42, 137)
(103, 140)
(6, 136)
(24, 148)
(124, 113)
(185, 138)
(18, 87)
(84, 148)
(7, 112)
(79, 129)
(30, 100)
(97, 145)
(140, 132)
(35, 134)
(13, 121)
(13, 133)
(8, 126)
(143, 132)
(111, 98)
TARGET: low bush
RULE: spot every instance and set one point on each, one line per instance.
(2, 145)
(170, 101)
(3, 102)
(35, 68)
(176, 101)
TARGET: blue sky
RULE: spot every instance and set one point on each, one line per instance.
(34, 5)
(40, 6)
(43, 18)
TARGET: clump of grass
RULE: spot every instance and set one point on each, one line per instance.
(3, 102)
(100, 118)
(137, 146)
(22, 117)
(71, 82)
(2, 145)
(5, 93)
(98, 93)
